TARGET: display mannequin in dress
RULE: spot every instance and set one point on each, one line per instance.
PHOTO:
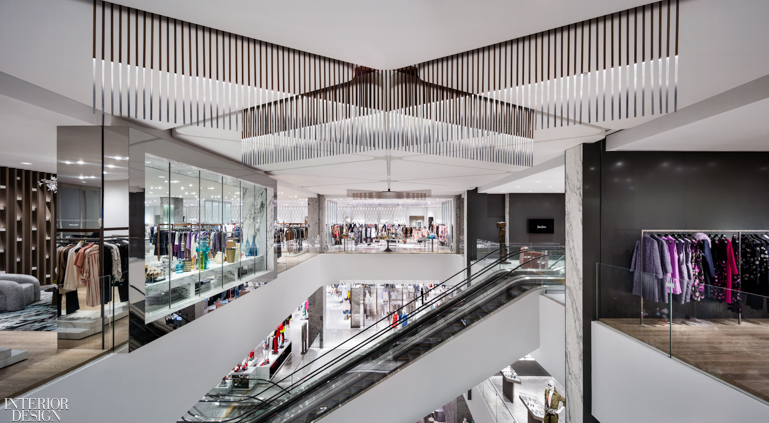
(552, 403)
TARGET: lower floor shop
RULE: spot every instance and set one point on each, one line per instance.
(517, 393)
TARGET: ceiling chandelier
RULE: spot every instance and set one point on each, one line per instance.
(483, 104)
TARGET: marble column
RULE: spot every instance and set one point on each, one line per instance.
(574, 281)
(322, 222)
(462, 410)
(315, 313)
(313, 219)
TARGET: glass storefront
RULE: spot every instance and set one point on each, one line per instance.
(204, 233)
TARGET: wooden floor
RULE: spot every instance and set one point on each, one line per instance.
(46, 361)
(50, 357)
(735, 353)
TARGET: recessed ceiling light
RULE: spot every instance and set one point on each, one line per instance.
(110, 166)
(26, 163)
(80, 162)
(162, 177)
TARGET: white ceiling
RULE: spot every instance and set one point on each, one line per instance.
(384, 34)
(741, 129)
(548, 181)
(722, 47)
(28, 134)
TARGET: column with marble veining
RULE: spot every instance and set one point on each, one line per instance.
(272, 214)
(313, 220)
(316, 311)
(574, 281)
(322, 222)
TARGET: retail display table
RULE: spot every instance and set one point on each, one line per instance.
(508, 386)
(256, 373)
(534, 406)
(224, 388)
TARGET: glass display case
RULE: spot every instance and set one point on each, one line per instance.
(204, 234)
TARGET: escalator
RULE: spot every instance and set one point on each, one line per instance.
(319, 387)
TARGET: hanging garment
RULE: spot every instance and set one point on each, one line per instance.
(733, 295)
(647, 269)
(754, 271)
(698, 273)
(718, 292)
(676, 274)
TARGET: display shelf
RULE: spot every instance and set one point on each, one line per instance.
(24, 210)
(164, 309)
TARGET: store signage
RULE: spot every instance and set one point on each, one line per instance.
(541, 226)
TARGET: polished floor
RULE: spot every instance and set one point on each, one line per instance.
(46, 361)
(735, 353)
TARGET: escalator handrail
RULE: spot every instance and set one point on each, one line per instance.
(388, 330)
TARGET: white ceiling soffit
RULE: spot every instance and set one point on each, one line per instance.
(731, 121)
(548, 176)
(383, 34)
(287, 191)
(551, 181)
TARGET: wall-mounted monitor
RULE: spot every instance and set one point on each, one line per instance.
(541, 226)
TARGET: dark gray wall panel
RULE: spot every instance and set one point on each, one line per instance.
(537, 206)
(678, 190)
(481, 221)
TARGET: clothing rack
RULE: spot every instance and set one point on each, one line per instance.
(738, 232)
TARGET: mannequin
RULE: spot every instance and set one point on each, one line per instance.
(552, 403)
(502, 245)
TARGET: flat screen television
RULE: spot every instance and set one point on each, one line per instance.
(541, 226)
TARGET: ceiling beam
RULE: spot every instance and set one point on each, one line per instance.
(735, 98)
(544, 166)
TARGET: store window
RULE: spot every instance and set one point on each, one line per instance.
(205, 234)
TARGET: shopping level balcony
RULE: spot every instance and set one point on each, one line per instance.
(720, 332)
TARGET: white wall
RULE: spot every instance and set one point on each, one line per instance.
(162, 380)
(551, 353)
(116, 206)
(461, 363)
(633, 382)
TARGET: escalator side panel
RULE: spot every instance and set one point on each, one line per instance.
(457, 365)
